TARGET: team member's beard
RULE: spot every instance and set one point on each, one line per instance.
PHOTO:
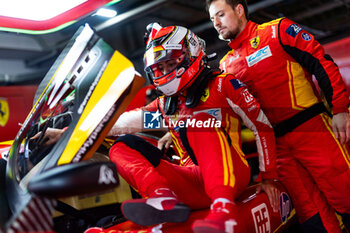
(231, 36)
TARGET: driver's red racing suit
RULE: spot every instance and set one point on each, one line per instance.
(223, 170)
(276, 61)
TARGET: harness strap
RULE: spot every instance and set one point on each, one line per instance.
(291, 123)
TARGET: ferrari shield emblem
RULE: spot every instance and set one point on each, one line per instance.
(205, 95)
(4, 112)
(255, 42)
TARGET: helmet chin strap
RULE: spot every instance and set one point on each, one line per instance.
(170, 105)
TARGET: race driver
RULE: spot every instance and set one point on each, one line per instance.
(276, 60)
(202, 108)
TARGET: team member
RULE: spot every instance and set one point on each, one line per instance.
(276, 61)
(202, 108)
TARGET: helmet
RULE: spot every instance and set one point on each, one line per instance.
(173, 58)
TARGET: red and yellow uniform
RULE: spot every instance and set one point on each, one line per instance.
(223, 170)
(276, 61)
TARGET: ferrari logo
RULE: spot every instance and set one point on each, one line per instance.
(255, 42)
(4, 112)
(205, 95)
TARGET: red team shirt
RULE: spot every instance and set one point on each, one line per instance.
(252, 60)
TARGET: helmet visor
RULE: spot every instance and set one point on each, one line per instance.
(159, 61)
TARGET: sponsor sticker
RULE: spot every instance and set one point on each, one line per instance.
(4, 112)
(106, 175)
(286, 206)
(258, 56)
(261, 219)
(192, 41)
(247, 96)
(273, 32)
(305, 36)
(255, 42)
(94, 135)
(180, 71)
(172, 46)
(91, 89)
(220, 85)
(293, 30)
(215, 112)
(237, 84)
